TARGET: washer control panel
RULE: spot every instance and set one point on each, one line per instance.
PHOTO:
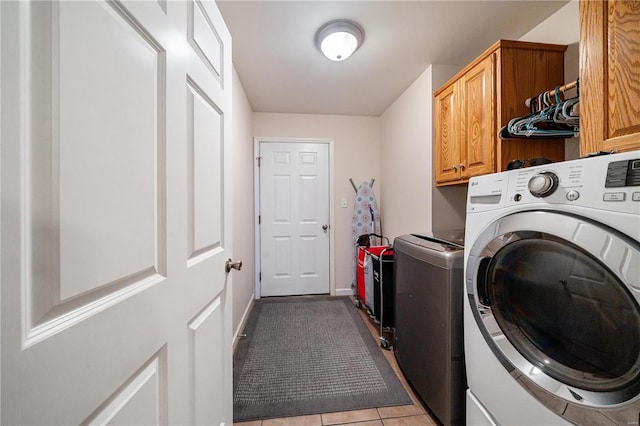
(607, 182)
(623, 173)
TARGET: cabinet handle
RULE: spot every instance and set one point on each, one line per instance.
(454, 168)
(461, 166)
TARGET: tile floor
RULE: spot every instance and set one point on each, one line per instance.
(402, 415)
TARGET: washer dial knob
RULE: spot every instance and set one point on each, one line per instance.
(543, 184)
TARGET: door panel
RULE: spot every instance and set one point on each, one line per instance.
(115, 213)
(608, 76)
(122, 152)
(477, 141)
(205, 138)
(206, 352)
(447, 148)
(141, 401)
(69, 201)
(294, 206)
(205, 40)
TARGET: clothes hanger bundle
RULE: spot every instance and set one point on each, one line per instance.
(551, 116)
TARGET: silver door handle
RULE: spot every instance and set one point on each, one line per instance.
(229, 265)
(324, 228)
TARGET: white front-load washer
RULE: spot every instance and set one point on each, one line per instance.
(552, 303)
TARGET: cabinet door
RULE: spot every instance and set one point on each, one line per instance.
(609, 75)
(447, 144)
(477, 120)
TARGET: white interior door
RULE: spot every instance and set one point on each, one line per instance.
(115, 213)
(294, 218)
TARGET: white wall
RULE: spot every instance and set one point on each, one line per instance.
(406, 168)
(242, 286)
(410, 203)
(356, 155)
(563, 27)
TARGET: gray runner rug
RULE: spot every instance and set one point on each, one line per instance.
(309, 355)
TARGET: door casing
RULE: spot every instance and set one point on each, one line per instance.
(256, 191)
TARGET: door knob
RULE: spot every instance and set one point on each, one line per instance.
(229, 265)
(324, 228)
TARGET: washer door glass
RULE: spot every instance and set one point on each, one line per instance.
(564, 311)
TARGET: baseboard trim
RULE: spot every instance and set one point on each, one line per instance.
(344, 292)
(243, 322)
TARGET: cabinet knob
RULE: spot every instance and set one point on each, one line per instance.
(454, 168)
(461, 166)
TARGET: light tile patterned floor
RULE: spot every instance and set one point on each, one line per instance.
(401, 415)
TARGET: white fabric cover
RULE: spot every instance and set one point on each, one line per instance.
(366, 220)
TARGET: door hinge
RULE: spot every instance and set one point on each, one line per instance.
(259, 276)
(259, 219)
(258, 158)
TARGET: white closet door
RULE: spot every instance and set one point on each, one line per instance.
(115, 214)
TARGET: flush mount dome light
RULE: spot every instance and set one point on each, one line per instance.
(339, 39)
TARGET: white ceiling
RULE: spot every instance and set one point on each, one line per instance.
(282, 70)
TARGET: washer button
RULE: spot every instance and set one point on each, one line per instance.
(573, 195)
(636, 196)
(613, 196)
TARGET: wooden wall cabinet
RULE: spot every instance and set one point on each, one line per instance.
(473, 106)
(465, 125)
(609, 75)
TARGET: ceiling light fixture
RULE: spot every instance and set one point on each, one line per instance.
(339, 39)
